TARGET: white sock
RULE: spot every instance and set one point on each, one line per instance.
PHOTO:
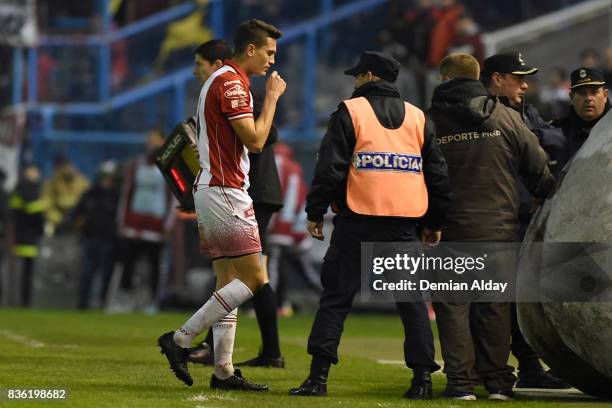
(224, 333)
(217, 307)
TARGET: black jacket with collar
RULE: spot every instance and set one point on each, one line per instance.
(575, 133)
(336, 151)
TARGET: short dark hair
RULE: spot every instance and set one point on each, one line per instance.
(254, 32)
(214, 50)
(485, 78)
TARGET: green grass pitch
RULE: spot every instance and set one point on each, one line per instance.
(112, 361)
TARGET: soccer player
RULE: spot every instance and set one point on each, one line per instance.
(227, 131)
(265, 191)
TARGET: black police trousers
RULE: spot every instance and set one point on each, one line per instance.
(341, 280)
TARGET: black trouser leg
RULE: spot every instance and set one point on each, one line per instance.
(154, 250)
(108, 266)
(528, 359)
(419, 351)
(90, 264)
(130, 252)
(26, 281)
(264, 301)
(341, 281)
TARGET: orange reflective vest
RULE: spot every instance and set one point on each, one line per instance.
(386, 174)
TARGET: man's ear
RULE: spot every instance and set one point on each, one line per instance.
(217, 64)
(496, 78)
(571, 95)
(250, 50)
(605, 91)
(370, 76)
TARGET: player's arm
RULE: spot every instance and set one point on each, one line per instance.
(253, 133)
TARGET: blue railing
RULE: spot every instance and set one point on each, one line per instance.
(175, 81)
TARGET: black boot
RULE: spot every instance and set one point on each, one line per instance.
(177, 357)
(316, 383)
(421, 386)
(312, 387)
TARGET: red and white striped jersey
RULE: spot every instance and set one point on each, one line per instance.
(224, 97)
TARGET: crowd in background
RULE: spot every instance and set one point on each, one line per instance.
(125, 215)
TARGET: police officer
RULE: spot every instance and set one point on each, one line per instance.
(375, 206)
(505, 76)
(28, 209)
(475, 337)
(589, 103)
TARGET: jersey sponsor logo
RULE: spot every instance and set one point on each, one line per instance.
(235, 81)
(382, 161)
(238, 103)
(235, 92)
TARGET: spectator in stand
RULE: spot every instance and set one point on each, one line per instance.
(145, 216)
(442, 34)
(408, 38)
(608, 66)
(62, 192)
(468, 38)
(590, 58)
(28, 208)
(95, 219)
(555, 97)
(410, 28)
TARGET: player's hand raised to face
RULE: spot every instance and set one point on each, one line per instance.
(276, 85)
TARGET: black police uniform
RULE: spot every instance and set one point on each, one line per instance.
(340, 274)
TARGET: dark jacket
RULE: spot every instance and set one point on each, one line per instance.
(264, 188)
(549, 137)
(487, 146)
(96, 213)
(28, 210)
(336, 151)
(575, 133)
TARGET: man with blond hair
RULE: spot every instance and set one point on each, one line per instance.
(475, 337)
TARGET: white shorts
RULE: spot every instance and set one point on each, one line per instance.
(226, 222)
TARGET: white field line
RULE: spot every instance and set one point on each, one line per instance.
(210, 398)
(19, 338)
(30, 342)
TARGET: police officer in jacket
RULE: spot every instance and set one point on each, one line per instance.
(505, 76)
(374, 206)
(589, 103)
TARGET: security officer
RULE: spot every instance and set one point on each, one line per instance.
(589, 103)
(375, 206)
(475, 337)
(28, 208)
(505, 76)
